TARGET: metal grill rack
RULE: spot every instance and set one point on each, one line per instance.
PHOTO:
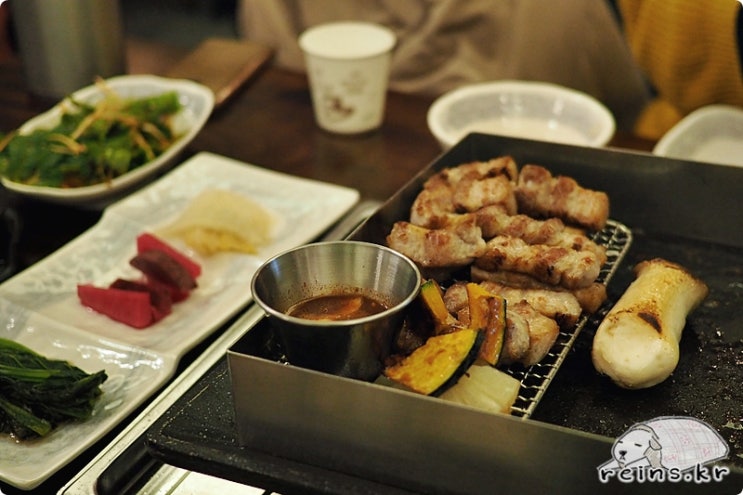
(535, 379)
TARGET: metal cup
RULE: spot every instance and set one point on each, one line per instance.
(351, 348)
(65, 44)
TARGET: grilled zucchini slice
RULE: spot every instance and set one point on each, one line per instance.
(438, 363)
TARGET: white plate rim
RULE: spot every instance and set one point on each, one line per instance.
(688, 127)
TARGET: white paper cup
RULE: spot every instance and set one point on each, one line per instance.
(348, 69)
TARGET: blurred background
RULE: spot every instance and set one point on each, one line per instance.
(182, 23)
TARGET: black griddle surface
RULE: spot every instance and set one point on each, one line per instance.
(708, 381)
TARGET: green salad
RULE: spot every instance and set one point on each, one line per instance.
(92, 144)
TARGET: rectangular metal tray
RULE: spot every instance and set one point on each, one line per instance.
(535, 379)
(684, 211)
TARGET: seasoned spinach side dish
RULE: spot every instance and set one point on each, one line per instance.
(37, 393)
(92, 144)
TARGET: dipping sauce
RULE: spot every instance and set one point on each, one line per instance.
(336, 307)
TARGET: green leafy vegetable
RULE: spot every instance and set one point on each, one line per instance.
(92, 144)
(37, 393)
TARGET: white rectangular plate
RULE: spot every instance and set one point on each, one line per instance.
(39, 306)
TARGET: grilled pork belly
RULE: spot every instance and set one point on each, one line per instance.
(433, 204)
(560, 306)
(523, 237)
(495, 221)
(543, 332)
(465, 188)
(457, 245)
(553, 265)
(518, 339)
(590, 298)
(541, 195)
(504, 165)
(473, 194)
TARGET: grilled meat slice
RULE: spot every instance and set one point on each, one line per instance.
(472, 194)
(518, 339)
(590, 298)
(543, 332)
(465, 188)
(455, 299)
(458, 244)
(504, 165)
(541, 195)
(495, 220)
(560, 306)
(433, 204)
(552, 265)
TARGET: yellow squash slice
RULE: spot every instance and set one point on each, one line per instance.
(438, 363)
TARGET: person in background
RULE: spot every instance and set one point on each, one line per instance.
(691, 54)
(443, 44)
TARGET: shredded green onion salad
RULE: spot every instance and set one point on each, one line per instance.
(92, 144)
(37, 393)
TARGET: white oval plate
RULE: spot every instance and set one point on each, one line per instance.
(197, 101)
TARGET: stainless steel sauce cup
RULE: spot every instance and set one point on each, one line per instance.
(351, 348)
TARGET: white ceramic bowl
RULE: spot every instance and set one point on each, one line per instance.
(196, 99)
(712, 134)
(532, 110)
